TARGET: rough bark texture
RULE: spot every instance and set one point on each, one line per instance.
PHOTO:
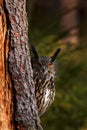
(6, 104)
(26, 115)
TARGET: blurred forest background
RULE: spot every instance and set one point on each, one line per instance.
(63, 23)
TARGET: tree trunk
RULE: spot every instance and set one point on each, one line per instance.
(69, 20)
(6, 103)
(23, 115)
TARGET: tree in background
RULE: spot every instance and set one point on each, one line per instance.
(70, 20)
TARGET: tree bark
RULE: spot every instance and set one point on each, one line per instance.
(6, 102)
(22, 92)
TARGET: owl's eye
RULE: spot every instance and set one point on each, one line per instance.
(50, 64)
(38, 64)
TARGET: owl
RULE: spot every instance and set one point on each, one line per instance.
(44, 76)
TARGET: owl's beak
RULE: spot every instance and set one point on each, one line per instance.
(43, 69)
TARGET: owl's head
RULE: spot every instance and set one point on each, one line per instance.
(43, 63)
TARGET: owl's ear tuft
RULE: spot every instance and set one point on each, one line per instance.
(55, 54)
(35, 52)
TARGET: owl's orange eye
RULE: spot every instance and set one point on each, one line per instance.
(38, 64)
(50, 64)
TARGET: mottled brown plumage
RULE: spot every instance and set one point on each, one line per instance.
(44, 75)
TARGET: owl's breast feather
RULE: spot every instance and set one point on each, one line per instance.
(47, 93)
